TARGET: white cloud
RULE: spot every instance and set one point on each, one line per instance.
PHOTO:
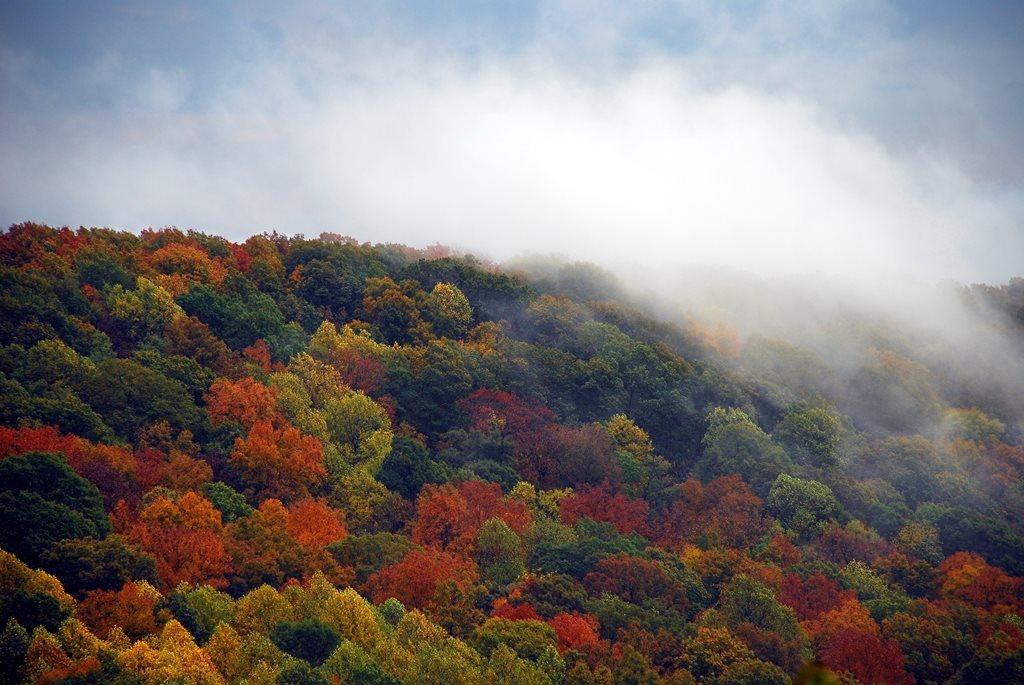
(651, 162)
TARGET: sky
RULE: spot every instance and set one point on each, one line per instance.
(854, 137)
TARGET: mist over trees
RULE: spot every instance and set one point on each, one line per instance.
(324, 461)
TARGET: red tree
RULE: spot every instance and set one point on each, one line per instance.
(450, 518)
(131, 608)
(312, 523)
(514, 415)
(415, 579)
(725, 510)
(259, 354)
(601, 504)
(184, 537)
(866, 656)
(812, 597)
(969, 578)
(635, 579)
(574, 631)
(360, 371)
(279, 461)
(562, 456)
(246, 401)
(840, 545)
(514, 612)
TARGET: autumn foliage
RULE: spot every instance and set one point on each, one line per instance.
(600, 504)
(317, 460)
(279, 461)
(415, 580)
(450, 517)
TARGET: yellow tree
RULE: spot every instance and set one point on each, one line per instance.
(361, 429)
(448, 311)
(260, 610)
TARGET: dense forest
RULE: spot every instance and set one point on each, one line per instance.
(294, 460)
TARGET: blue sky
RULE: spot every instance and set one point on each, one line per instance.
(767, 136)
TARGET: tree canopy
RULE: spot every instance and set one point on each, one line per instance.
(321, 461)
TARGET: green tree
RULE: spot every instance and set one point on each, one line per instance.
(259, 610)
(32, 609)
(754, 672)
(56, 405)
(444, 379)
(499, 554)
(88, 564)
(392, 611)
(130, 396)
(920, 540)
(206, 607)
(745, 600)
(733, 443)
(13, 648)
(812, 436)
(641, 467)
(300, 673)
(241, 315)
(325, 283)
(803, 506)
(369, 553)
(42, 501)
(143, 313)
(409, 467)
(880, 598)
(228, 501)
(310, 640)
(973, 424)
(351, 664)
(51, 361)
(993, 663)
(188, 372)
(100, 268)
(711, 651)
(634, 668)
(528, 639)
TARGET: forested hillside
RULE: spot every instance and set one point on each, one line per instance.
(319, 461)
